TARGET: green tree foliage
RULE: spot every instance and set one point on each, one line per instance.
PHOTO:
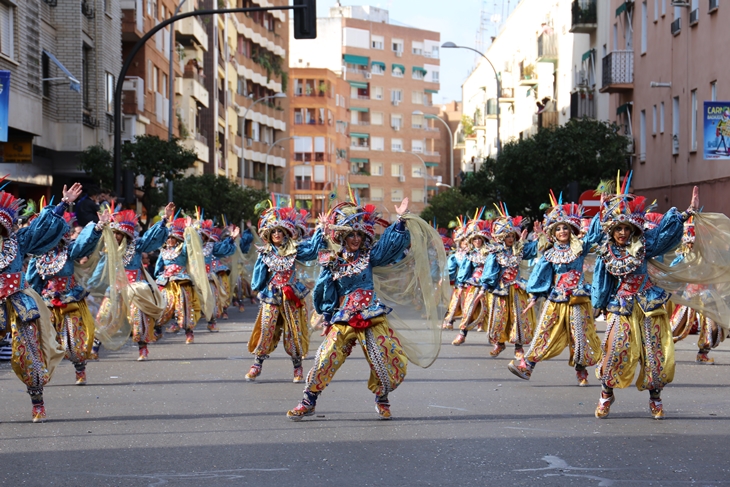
(447, 205)
(96, 161)
(218, 196)
(585, 151)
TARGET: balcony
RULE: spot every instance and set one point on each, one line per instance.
(192, 28)
(677, 26)
(582, 104)
(584, 17)
(618, 72)
(528, 75)
(132, 20)
(548, 119)
(199, 145)
(192, 86)
(547, 47)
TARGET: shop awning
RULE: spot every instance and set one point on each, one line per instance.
(359, 109)
(399, 66)
(359, 160)
(378, 63)
(358, 60)
(75, 85)
(359, 185)
(358, 84)
(622, 8)
(418, 69)
(432, 164)
(358, 135)
(625, 108)
(587, 55)
(433, 92)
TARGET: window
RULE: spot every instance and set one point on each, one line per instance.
(653, 120)
(155, 77)
(396, 145)
(675, 125)
(377, 68)
(661, 118)
(86, 73)
(417, 171)
(376, 118)
(693, 114)
(417, 48)
(713, 91)
(434, 76)
(396, 96)
(377, 42)
(397, 72)
(396, 194)
(396, 170)
(376, 194)
(303, 177)
(376, 169)
(417, 97)
(149, 75)
(656, 10)
(377, 143)
(642, 136)
(615, 37)
(109, 93)
(664, 7)
(417, 121)
(417, 146)
(417, 196)
(397, 45)
(396, 121)
(7, 30)
(152, 8)
(644, 23)
(45, 74)
(377, 93)
(255, 132)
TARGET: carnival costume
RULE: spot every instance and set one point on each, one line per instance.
(214, 250)
(501, 277)
(638, 330)
(566, 319)
(141, 303)
(52, 276)
(455, 259)
(684, 319)
(345, 297)
(240, 277)
(475, 305)
(282, 310)
(35, 351)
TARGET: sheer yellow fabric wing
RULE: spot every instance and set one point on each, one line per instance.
(417, 288)
(708, 265)
(115, 332)
(196, 270)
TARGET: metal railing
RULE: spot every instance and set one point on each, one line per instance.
(618, 68)
(547, 46)
(584, 12)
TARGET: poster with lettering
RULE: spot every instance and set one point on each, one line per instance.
(716, 138)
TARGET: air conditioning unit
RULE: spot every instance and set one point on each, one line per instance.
(398, 53)
(402, 178)
(368, 75)
(630, 147)
(675, 145)
(396, 103)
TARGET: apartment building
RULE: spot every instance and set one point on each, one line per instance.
(662, 67)
(450, 113)
(319, 167)
(63, 59)
(393, 72)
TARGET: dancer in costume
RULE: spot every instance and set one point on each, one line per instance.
(566, 319)
(638, 330)
(52, 276)
(475, 308)
(214, 250)
(501, 277)
(346, 298)
(685, 319)
(461, 244)
(282, 310)
(35, 349)
(242, 286)
(145, 301)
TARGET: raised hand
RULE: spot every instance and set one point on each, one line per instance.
(402, 208)
(235, 232)
(523, 235)
(104, 217)
(170, 211)
(322, 219)
(72, 194)
(695, 204)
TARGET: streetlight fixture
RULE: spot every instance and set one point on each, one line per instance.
(277, 96)
(451, 45)
(266, 160)
(451, 140)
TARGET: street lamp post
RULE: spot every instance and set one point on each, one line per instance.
(451, 45)
(277, 95)
(171, 88)
(266, 160)
(451, 140)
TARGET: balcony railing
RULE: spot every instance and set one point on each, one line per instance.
(584, 16)
(618, 72)
(582, 105)
(547, 47)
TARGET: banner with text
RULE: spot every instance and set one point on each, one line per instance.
(716, 139)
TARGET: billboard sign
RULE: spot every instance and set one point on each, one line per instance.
(716, 133)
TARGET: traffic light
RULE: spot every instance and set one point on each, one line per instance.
(305, 19)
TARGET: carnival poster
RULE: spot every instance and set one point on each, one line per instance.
(716, 138)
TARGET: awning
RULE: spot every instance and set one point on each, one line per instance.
(432, 164)
(587, 55)
(358, 135)
(433, 188)
(359, 109)
(625, 108)
(621, 9)
(433, 92)
(359, 185)
(359, 160)
(358, 60)
(399, 66)
(75, 84)
(418, 69)
(358, 84)
(378, 63)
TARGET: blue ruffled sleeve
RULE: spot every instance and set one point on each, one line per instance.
(541, 278)
(464, 271)
(602, 286)
(259, 278)
(666, 236)
(594, 235)
(490, 274)
(529, 250)
(44, 232)
(153, 238)
(389, 249)
(85, 243)
(453, 266)
(159, 266)
(32, 277)
(224, 249)
(324, 295)
(309, 249)
(246, 240)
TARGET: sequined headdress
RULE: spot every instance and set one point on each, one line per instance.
(125, 221)
(505, 224)
(568, 213)
(215, 234)
(205, 227)
(284, 218)
(177, 228)
(9, 208)
(347, 217)
(459, 232)
(652, 219)
(302, 217)
(623, 207)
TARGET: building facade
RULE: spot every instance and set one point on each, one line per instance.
(392, 72)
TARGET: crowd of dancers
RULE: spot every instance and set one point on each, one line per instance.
(67, 291)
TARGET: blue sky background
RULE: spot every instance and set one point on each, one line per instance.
(456, 20)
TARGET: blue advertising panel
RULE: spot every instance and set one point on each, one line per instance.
(716, 134)
(4, 104)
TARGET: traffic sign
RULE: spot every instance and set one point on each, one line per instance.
(591, 203)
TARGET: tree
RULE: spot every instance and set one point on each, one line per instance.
(447, 205)
(581, 151)
(96, 161)
(217, 195)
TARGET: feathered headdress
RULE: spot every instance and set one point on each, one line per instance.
(302, 217)
(10, 206)
(348, 217)
(459, 232)
(177, 228)
(505, 224)
(652, 219)
(273, 217)
(70, 219)
(215, 234)
(125, 221)
(568, 213)
(624, 208)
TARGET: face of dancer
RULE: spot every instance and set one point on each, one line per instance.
(119, 236)
(622, 233)
(562, 233)
(277, 236)
(353, 241)
(509, 240)
(478, 242)
(172, 242)
(464, 245)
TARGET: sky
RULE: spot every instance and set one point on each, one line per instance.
(456, 20)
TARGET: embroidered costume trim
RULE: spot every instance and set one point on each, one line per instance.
(619, 261)
(560, 254)
(129, 253)
(171, 253)
(343, 268)
(51, 263)
(9, 252)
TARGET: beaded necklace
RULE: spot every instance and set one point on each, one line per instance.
(171, 253)
(9, 252)
(129, 253)
(278, 263)
(619, 262)
(208, 249)
(51, 263)
(343, 268)
(560, 254)
(507, 258)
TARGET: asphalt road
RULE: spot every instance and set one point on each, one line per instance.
(187, 418)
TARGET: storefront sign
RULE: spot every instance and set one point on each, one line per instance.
(716, 139)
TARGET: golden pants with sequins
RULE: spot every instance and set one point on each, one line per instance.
(643, 339)
(275, 321)
(181, 303)
(225, 291)
(142, 325)
(685, 318)
(74, 330)
(383, 351)
(475, 309)
(506, 323)
(27, 353)
(568, 324)
(455, 303)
